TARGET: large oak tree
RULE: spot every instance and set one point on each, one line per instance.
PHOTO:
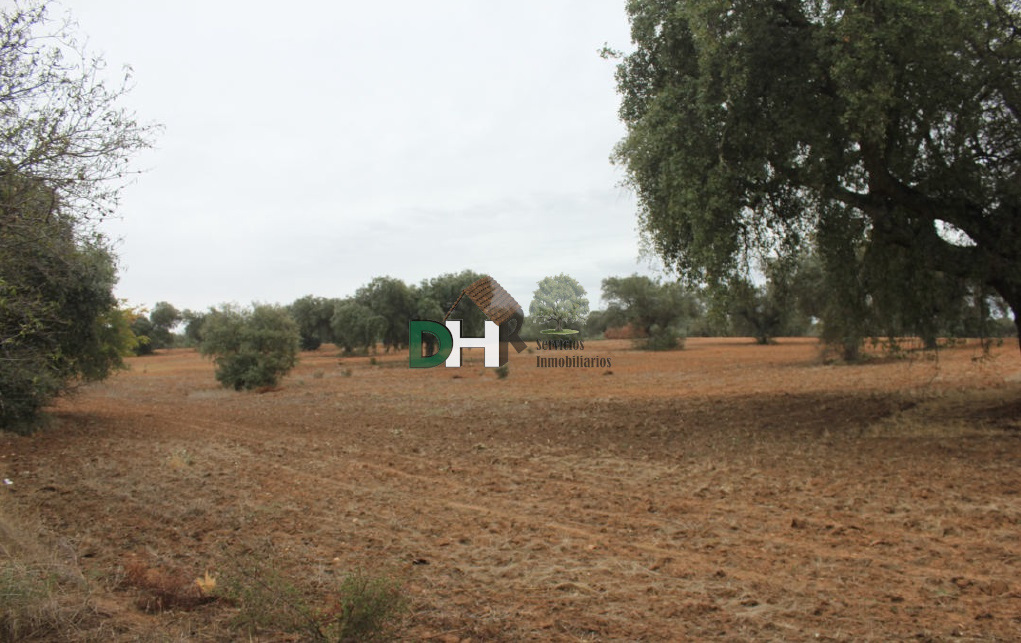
(886, 133)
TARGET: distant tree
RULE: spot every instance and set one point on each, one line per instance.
(313, 315)
(193, 326)
(558, 299)
(250, 347)
(754, 312)
(769, 310)
(355, 326)
(142, 328)
(657, 311)
(886, 135)
(64, 146)
(155, 331)
(164, 318)
(596, 323)
(393, 302)
(439, 294)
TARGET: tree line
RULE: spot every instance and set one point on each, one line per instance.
(790, 300)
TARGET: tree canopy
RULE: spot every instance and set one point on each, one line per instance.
(250, 347)
(64, 147)
(658, 312)
(885, 134)
(559, 299)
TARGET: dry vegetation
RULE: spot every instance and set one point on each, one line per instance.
(728, 491)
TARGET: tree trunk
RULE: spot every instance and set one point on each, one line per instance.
(1017, 325)
(1011, 293)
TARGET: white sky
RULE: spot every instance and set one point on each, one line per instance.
(312, 146)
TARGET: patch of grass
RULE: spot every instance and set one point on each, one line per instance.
(503, 371)
(41, 596)
(361, 607)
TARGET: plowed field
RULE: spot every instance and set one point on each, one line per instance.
(728, 491)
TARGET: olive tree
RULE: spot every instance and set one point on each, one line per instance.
(65, 144)
(250, 347)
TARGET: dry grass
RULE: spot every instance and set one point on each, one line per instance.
(43, 595)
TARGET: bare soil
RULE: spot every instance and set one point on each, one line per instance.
(728, 491)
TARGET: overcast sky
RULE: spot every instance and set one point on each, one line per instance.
(311, 146)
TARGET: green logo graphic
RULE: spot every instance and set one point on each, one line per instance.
(502, 327)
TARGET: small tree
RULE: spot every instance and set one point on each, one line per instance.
(355, 326)
(656, 311)
(439, 294)
(393, 303)
(313, 315)
(770, 310)
(156, 330)
(559, 299)
(193, 321)
(250, 347)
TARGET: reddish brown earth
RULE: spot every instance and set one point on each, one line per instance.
(728, 491)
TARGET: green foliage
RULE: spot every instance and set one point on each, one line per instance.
(665, 338)
(367, 608)
(313, 315)
(59, 321)
(355, 326)
(361, 607)
(393, 304)
(164, 318)
(754, 311)
(64, 145)
(772, 309)
(250, 347)
(142, 328)
(596, 323)
(193, 326)
(657, 311)
(885, 135)
(156, 330)
(559, 299)
(436, 296)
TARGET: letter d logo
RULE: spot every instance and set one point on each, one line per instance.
(443, 337)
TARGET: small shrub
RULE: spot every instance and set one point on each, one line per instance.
(662, 339)
(503, 371)
(368, 608)
(361, 608)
